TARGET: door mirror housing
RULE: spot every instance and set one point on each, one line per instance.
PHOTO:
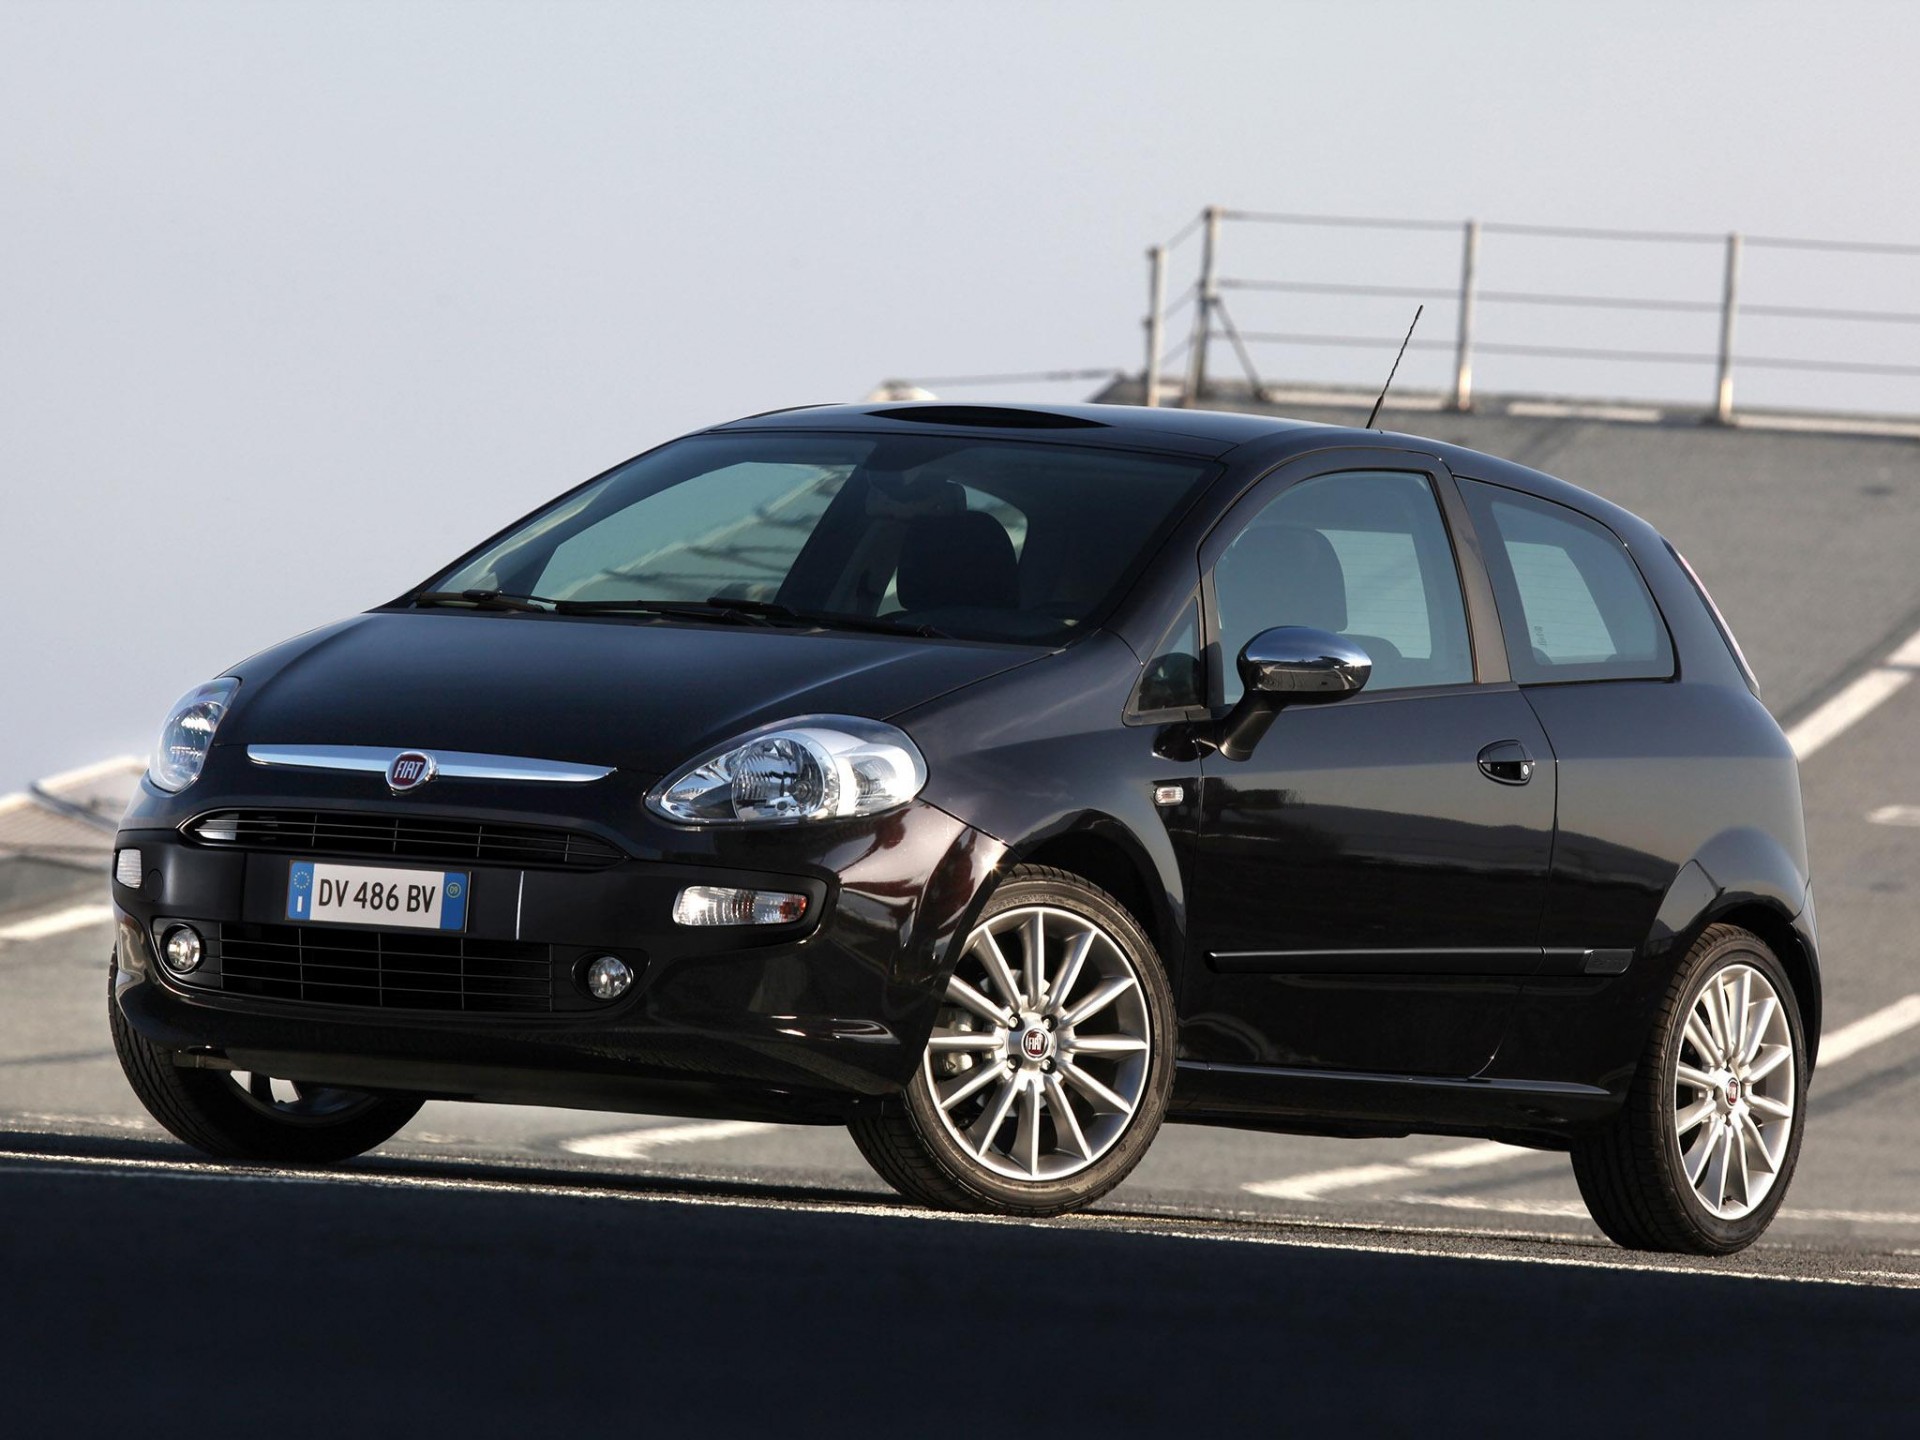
(1289, 665)
(1295, 665)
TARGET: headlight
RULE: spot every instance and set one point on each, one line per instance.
(818, 767)
(188, 734)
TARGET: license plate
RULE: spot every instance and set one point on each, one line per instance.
(377, 895)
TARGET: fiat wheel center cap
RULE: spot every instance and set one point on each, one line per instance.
(1036, 1043)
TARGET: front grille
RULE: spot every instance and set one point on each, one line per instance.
(384, 969)
(402, 837)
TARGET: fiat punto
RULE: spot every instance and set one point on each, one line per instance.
(1001, 783)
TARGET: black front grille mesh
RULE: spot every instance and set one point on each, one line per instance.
(384, 969)
(401, 837)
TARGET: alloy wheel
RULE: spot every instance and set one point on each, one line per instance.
(1734, 1091)
(1040, 1056)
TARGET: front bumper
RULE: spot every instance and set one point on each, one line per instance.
(797, 1022)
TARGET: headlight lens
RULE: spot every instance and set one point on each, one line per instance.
(188, 734)
(817, 767)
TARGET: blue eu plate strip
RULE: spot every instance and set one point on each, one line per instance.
(300, 891)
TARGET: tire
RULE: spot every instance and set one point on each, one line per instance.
(1047, 1114)
(1696, 1125)
(266, 1121)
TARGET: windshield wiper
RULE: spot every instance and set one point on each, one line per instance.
(489, 600)
(828, 620)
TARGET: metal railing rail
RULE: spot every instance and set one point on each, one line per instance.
(1212, 320)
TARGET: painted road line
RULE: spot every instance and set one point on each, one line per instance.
(40, 927)
(1411, 1241)
(1850, 1040)
(1320, 1182)
(1576, 1210)
(1895, 815)
(1857, 699)
(639, 1144)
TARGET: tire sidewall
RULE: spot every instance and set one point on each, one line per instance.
(1741, 949)
(1111, 1168)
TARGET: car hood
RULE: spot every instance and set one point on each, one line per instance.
(639, 696)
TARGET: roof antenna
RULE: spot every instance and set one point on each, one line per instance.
(1374, 414)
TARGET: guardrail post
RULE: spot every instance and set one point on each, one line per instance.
(1729, 305)
(1156, 321)
(1463, 342)
(1203, 307)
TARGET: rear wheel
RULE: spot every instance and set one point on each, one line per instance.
(1700, 1156)
(1050, 1063)
(234, 1115)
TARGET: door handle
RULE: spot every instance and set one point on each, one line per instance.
(1507, 763)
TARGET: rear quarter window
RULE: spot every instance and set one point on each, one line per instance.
(1572, 601)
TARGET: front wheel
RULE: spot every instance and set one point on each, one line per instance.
(239, 1116)
(1050, 1063)
(1699, 1158)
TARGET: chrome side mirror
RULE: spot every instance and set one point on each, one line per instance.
(1289, 665)
(1299, 666)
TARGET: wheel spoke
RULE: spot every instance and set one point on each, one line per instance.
(1066, 1124)
(1702, 1040)
(952, 1041)
(1105, 1045)
(1769, 1107)
(961, 993)
(1107, 992)
(1063, 983)
(1716, 1181)
(1753, 1144)
(1698, 1079)
(1702, 1150)
(1093, 1089)
(1034, 935)
(1769, 1060)
(1026, 1139)
(973, 1084)
(260, 1087)
(1757, 1032)
(1737, 1164)
(1710, 1002)
(988, 949)
(1739, 995)
(995, 1114)
(1685, 1120)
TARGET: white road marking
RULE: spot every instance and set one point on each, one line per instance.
(1850, 1040)
(76, 917)
(1576, 1210)
(1857, 699)
(1895, 815)
(638, 1144)
(1854, 702)
(1297, 1235)
(1318, 1183)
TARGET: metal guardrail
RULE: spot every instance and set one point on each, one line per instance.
(1212, 321)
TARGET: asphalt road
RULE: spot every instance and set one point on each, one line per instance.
(495, 1269)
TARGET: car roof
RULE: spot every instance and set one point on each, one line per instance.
(1212, 433)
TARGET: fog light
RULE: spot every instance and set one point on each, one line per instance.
(608, 977)
(182, 949)
(724, 905)
(128, 869)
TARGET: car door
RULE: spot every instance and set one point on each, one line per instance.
(1366, 889)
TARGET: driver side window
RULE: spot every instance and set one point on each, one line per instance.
(1363, 554)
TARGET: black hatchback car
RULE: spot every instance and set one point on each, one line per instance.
(1000, 783)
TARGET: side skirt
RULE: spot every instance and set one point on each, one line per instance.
(1543, 1113)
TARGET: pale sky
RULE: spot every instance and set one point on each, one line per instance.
(300, 301)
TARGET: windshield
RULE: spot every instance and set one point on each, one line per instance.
(979, 540)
